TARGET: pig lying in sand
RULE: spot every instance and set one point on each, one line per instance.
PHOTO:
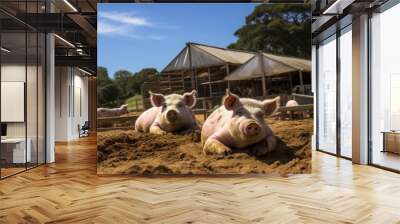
(170, 113)
(112, 112)
(239, 123)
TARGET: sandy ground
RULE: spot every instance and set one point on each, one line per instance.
(129, 152)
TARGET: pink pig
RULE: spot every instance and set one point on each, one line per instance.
(169, 113)
(239, 123)
(292, 103)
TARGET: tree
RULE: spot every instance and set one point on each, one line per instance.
(102, 76)
(122, 78)
(283, 29)
(114, 92)
(108, 95)
(137, 80)
(107, 92)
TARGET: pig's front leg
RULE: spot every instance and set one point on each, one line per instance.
(213, 146)
(155, 129)
(265, 146)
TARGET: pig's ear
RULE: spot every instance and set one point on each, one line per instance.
(156, 99)
(231, 101)
(271, 106)
(190, 98)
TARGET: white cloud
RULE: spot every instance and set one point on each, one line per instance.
(127, 24)
(124, 18)
(108, 28)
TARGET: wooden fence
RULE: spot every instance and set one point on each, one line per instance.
(115, 123)
(205, 107)
(300, 111)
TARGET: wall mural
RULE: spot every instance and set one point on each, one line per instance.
(195, 89)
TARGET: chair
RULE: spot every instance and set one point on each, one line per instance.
(84, 130)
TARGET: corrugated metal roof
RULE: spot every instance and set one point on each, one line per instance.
(226, 55)
(270, 65)
(206, 56)
(297, 63)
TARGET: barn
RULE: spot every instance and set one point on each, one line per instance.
(210, 70)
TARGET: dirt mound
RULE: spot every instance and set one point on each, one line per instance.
(130, 152)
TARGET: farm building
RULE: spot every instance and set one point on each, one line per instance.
(210, 70)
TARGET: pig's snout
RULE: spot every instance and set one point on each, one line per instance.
(172, 115)
(252, 129)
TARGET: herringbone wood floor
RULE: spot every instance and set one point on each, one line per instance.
(69, 191)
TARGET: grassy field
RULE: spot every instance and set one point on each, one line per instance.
(132, 103)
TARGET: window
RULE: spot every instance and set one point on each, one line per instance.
(327, 95)
(22, 77)
(385, 89)
(346, 92)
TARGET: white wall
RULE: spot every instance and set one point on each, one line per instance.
(71, 102)
(10, 73)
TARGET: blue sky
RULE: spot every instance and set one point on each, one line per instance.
(136, 36)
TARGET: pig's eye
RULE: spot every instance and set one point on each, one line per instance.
(180, 104)
(240, 113)
(164, 105)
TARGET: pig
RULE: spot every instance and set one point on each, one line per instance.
(292, 114)
(171, 113)
(239, 123)
(292, 103)
(112, 112)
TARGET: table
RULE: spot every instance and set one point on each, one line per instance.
(13, 150)
(391, 141)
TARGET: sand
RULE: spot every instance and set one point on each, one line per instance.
(130, 152)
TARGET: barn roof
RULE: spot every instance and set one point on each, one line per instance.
(269, 65)
(206, 56)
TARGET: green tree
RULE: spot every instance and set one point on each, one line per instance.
(114, 92)
(102, 76)
(122, 78)
(283, 29)
(134, 85)
(107, 91)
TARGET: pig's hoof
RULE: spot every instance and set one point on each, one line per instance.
(265, 147)
(216, 147)
(271, 143)
(223, 151)
(159, 132)
(260, 150)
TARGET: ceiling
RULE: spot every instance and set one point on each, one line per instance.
(74, 22)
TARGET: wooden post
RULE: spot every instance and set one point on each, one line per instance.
(227, 73)
(183, 81)
(301, 81)
(209, 81)
(264, 87)
(191, 66)
(169, 83)
(196, 83)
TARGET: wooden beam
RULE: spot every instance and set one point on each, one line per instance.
(264, 87)
(209, 80)
(227, 73)
(191, 67)
(301, 82)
